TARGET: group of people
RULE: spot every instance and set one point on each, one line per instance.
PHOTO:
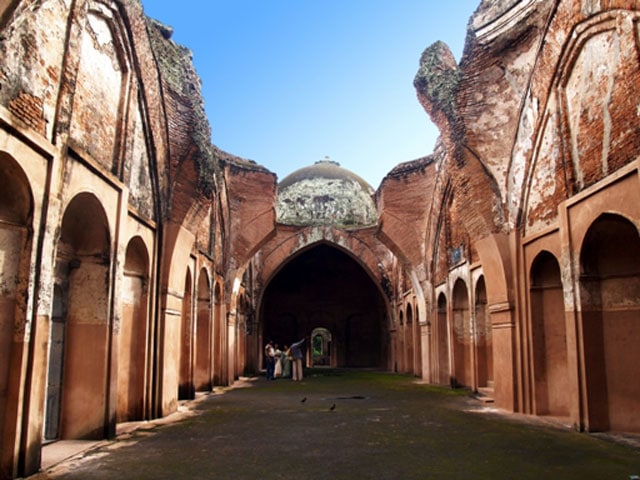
(284, 363)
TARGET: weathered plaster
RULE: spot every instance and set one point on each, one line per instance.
(325, 201)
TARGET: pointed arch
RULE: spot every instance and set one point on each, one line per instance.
(16, 227)
(321, 353)
(325, 286)
(443, 372)
(584, 129)
(186, 388)
(548, 337)
(132, 337)
(610, 304)
(461, 335)
(419, 367)
(203, 374)
(483, 337)
(101, 93)
(82, 271)
(220, 334)
(410, 337)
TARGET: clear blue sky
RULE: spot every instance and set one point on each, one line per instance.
(288, 82)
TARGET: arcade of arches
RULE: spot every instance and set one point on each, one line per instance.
(140, 264)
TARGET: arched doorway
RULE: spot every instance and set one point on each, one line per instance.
(443, 373)
(610, 303)
(461, 335)
(324, 287)
(186, 389)
(548, 337)
(321, 347)
(81, 298)
(202, 375)
(483, 337)
(132, 338)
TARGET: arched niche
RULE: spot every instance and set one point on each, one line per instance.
(16, 218)
(241, 335)
(417, 341)
(203, 374)
(81, 293)
(219, 338)
(410, 361)
(483, 336)
(16, 200)
(610, 306)
(443, 372)
(102, 80)
(132, 337)
(548, 337)
(401, 361)
(462, 341)
(186, 389)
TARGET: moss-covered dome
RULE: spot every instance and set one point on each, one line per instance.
(325, 194)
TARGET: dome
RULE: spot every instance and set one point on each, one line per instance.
(325, 194)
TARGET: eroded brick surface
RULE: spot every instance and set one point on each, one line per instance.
(498, 262)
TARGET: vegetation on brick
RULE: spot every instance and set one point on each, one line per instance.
(438, 77)
(175, 63)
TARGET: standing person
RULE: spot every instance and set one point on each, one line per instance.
(270, 359)
(277, 371)
(296, 354)
(285, 360)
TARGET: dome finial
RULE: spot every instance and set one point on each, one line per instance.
(327, 159)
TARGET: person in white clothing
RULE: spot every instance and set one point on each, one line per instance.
(277, 371)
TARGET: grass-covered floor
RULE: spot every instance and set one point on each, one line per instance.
(383, 426)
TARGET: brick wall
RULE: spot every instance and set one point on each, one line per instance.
(29, 109)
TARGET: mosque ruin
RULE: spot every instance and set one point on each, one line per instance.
(140, 264)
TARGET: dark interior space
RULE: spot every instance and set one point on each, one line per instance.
(325, 288)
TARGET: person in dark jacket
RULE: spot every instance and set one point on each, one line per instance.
(270, 359)
(296, 355)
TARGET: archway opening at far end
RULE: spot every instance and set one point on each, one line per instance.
(321, 347)
(325, 289)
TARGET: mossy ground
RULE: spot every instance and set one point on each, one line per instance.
(384, 426)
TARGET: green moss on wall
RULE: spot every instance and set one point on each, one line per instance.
(438, 77)
(175, 63)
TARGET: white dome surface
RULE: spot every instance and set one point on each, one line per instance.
(325, 194)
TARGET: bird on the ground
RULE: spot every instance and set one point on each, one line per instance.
(303, 400)
(333, 407)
